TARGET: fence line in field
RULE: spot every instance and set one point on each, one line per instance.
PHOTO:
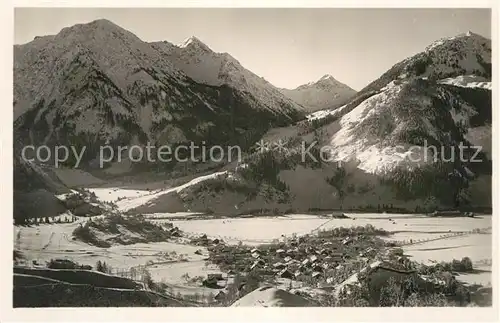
(446, 236)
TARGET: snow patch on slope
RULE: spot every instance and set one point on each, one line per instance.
(471, 81)
(372, 156)
(321, 114)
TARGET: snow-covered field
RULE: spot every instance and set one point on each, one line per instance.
(475, 246)
(433, 239)
(127, 199)
(269, 228)
(152, 217)
(50, 241)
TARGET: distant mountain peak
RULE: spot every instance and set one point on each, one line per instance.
(325, 93)
(207, 66)
(469, 37)
(470, 33)
(326, 77)
(194, 42)
(326, 80)
(102, 24)
(100, 30)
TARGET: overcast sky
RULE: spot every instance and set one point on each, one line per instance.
(288, 47)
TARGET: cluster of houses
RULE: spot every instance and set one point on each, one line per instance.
(214, 281)
(296, 259)
(319, 260)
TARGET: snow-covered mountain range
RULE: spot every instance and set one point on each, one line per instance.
(98, 83)
(440, 97)
(326, 93)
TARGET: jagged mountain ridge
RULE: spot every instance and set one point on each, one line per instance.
(326, 93)
(205, 66)
(97, 83)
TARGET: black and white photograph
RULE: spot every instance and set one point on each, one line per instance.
(252, 157)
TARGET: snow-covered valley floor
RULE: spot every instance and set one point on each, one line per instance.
(432, 239)
(162, 259)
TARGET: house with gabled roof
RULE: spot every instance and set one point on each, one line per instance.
(257, 263)
(220, 296)
(285, 273)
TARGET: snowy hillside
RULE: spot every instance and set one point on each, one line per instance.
(379, 136)
(435, 95)
(97, 83)
(321, 114)
(326, 93)
(130, 199)
(404, 114)
(464, 54)
(205, 66)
